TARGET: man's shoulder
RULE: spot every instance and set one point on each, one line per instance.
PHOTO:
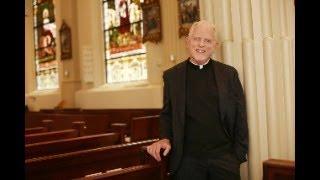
(224, 66)
(220, 65)
(175, 68)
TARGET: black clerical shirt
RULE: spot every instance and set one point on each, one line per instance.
(204, 134)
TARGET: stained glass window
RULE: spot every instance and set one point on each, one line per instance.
(45, 44)
(125, 54)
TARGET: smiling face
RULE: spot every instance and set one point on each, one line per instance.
(201, 42)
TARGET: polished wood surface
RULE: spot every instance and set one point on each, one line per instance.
(80, 163)
(278, 169)
(71, 144)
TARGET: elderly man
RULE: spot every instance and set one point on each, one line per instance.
(203, 122)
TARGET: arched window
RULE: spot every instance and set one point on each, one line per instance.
(125, 54)
(45, 44)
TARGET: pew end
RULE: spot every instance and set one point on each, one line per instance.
(277, 169)
(120, 128)
(163, 164)
(80, 126)
(144, 127)
(47, 123)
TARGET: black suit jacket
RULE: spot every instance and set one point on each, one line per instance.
(231, 106)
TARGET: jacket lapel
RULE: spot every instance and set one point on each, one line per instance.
(181, 94)
(220, 80)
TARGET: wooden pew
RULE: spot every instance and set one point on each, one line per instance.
(96, 123)
(163, 165)
(149, 169)
(140, 128)
(70, 144)
(120, 128)
(46, 126)
(276, 169)
(138, 172)
(35, 130)
(146, 127)
(33, 119)
(97, 120)
(78, 130)
(80, 163)
(50, 136)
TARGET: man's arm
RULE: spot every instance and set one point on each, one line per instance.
(166, 113)
(241, 125)
(165, 126)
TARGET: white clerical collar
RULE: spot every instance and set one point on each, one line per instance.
(200, 66)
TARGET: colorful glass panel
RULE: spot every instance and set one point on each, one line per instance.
(123, 30)
(126, 69)
(45, 45)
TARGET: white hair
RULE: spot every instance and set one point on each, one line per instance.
(203, 22)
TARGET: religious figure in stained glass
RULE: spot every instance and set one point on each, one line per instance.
(46, 31)
(45, 45)
(123, 23)
(123, 29)
(124, 17)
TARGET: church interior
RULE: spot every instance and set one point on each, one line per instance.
(94, 82)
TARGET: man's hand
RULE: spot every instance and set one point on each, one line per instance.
(154, 149)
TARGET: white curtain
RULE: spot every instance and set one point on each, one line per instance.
(257, 38)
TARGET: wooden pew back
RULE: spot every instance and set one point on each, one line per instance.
(146, 127)
(71, 144)
(138, 172)
(84, 162)
(35, 130)
(148, 169)
(97, 120)
(50, 136)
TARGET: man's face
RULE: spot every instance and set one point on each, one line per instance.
(201, 43)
